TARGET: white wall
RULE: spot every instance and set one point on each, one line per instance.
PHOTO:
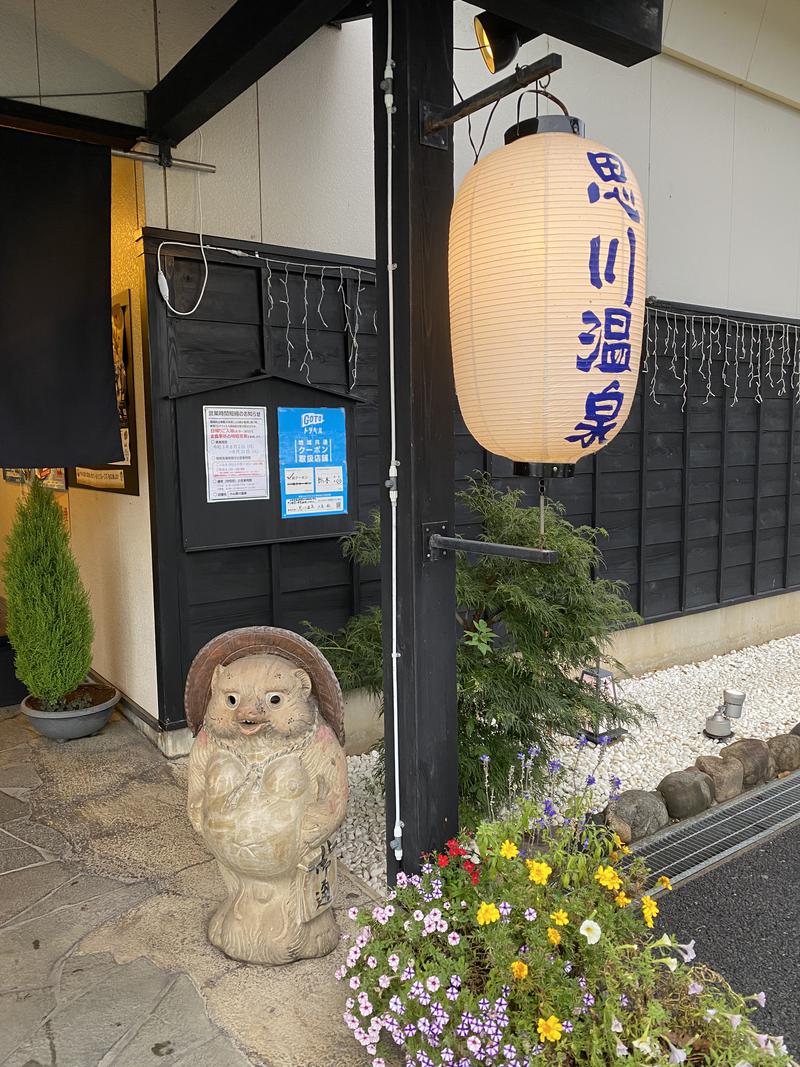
(293, 153)
(111, 533)
(717, 162)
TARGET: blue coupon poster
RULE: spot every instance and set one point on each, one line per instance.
(313, 457)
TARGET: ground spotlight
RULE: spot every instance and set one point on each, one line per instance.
(718, 725)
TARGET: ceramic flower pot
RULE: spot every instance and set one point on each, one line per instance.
(80, 722)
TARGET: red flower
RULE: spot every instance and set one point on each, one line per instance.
(454, 849)
(475, 876)
(443, 861)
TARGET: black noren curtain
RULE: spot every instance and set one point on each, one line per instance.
(57, 397)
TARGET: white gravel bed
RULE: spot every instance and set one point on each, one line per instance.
(361, 842)
(679, 698)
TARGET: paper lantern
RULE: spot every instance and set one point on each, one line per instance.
(547, 289)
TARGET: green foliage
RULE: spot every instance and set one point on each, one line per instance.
(531, 942)
(49, 618)
(527, 632)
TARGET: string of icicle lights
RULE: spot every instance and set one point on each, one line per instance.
(314, 277)
(761, 353)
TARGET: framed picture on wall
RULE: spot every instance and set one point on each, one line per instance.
(123, 476)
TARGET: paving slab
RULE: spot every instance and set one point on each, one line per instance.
(12, 859)
(168, 929)
(177, 1026)
(81, 1033)
(22, 1013)
(57, 889)
(104, 958)
(11, 809)
(19, 776)
(29, 950)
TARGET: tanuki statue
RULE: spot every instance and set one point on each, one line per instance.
(267, 789)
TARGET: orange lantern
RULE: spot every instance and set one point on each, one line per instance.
(547, 291)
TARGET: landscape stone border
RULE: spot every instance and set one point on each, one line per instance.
(741, 765)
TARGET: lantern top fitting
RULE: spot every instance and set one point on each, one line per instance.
(545, 124)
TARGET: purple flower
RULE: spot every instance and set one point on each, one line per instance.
(415, 989)
(583, 741)
(484, 759)
(396, 1005)
(567, 1026)
(534, 751)
(567, 968)
(433, 983)
(530, 914)
(588, 999)
(760, 999)
(474, 1043)
(590, 779)
(550, 810)
(695, 988)
(624, 1002)
(504, 909)
(554, 766)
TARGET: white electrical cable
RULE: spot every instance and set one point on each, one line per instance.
(388, 99)
(163, 284)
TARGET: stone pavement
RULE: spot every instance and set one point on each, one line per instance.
(104, 896)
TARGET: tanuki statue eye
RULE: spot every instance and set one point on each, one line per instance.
(275, 699)
(233, 700)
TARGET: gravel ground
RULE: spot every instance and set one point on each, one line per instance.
(679, 698)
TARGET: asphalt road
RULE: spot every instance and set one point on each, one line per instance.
(745, 917)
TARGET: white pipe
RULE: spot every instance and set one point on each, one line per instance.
(388, 99)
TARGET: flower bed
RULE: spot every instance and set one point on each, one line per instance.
(530, 941)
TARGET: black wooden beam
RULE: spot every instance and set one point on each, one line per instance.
(34, 118)
(250, 39)
(419, 216)
(625, 31)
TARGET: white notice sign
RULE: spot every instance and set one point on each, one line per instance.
(236, 453)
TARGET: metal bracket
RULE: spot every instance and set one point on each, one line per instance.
(431, 114)
(164, 154)
(429, 529)
(436, 544)
(436, 119)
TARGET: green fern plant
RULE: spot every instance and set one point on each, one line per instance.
(49, 618)
(527, 632)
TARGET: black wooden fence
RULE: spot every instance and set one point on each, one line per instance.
(697, 497)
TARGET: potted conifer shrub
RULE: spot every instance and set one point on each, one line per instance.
(50, 623)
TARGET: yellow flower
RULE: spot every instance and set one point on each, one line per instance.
(560, 917)
(539, 871)
(664, 883)
(625, 850)
(649, 910)
(617, 840)
(508, 850)
(487, 913)
(554, 935)
(613, 856)
(621, 900)
(519, 969)
(608, 878)
(550, 1029)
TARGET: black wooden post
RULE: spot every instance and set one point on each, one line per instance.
(421, 200)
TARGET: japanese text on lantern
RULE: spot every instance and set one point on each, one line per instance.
(605, 339)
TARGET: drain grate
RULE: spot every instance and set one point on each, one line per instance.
(719, 833)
